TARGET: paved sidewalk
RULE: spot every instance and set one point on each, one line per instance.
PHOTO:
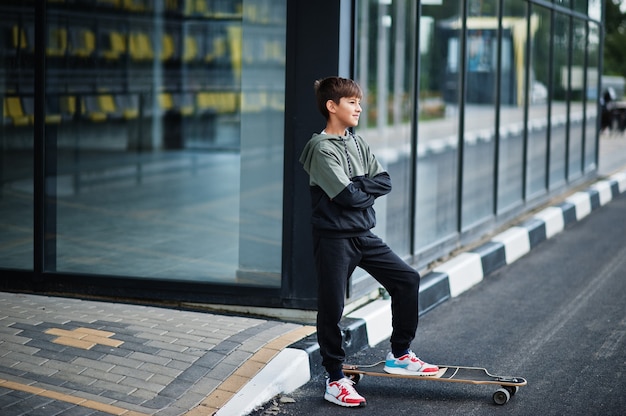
(72, 357)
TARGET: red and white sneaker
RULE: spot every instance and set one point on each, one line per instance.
(342, 392)
(409, 364)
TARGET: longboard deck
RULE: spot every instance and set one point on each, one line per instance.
(449, 373)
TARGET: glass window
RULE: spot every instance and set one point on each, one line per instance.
(169, 140)
(479, 132)
(17, 49)
(580, 6)
(591, 103)
(539, 80)
(438, 123)
(577, 96)
(512, 103)
(595, 9)
(564, 3)
(385, 60)
(559, 102)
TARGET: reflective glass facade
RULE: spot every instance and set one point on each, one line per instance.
(163, 135)
(149, 147)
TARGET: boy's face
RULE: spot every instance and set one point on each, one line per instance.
(347, 112)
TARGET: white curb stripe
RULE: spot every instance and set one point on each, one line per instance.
(604, 190)
(516, 243)
(464, 271)
(378, 317)
(582, 203)
(552, 217)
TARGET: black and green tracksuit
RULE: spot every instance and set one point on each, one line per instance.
(345, 180)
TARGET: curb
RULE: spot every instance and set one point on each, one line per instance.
(283, 374)
(371, 324)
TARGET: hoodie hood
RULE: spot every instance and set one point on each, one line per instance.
(319, 160)
(309, 149)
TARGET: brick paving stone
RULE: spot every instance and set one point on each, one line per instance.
(124, 386)
(159, 402)
(93, 354)
(81, 411)
(61, 366)
(161, 379)
(160, 370)
(160, 362)
(11, 373)
(17, 340)
(20, 357)
(35, 369)
(179, 365)
(138, 348)
(136, 373)
(30, 405)
(100, 375)
(78, 379)
(129, 363)
(145, 385)
(94, 364)
(190, 355)
(149, 358)
(55, 408)
(166, 346)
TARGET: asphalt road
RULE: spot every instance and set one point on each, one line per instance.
(556, 317)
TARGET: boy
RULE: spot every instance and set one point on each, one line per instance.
(345, 179)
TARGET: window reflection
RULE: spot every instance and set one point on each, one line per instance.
(591, 105)
(479, 128)
(539, 80)
(17, 32)
(169, 140)
(513, 80)
(385, 59)
(438, 124)
(560, 101)
(577, 92)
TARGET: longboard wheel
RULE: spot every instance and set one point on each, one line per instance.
(511, 389)
(501, 396)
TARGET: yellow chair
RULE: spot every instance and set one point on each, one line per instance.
(28, 105)
(18, 37)
(140, 47)
(190, 49)
(167, 47)
(117, 43)
(57, 42)
(90, 107)
(13, 110)
(166, 103)
(83, 42)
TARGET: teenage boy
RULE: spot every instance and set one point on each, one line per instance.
(345, 179)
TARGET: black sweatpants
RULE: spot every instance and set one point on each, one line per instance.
(335, 260)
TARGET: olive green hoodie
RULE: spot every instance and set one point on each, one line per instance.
(345, 179)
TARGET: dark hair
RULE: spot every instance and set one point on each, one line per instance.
(334, 88)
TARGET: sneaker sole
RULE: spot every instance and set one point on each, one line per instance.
(334, 400)
(405, 372)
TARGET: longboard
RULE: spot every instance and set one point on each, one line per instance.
(447, 373)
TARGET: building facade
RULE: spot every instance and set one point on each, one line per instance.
(149, 148)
